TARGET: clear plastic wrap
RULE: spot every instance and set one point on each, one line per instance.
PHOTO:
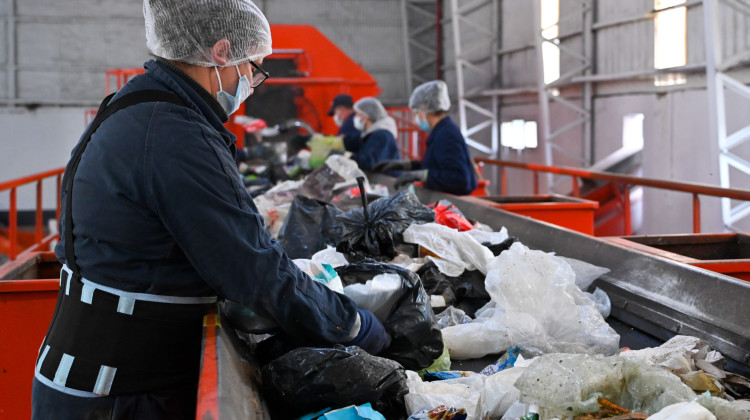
(543, 310)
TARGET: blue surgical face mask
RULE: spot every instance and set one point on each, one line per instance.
(232, 103)
(423, 124)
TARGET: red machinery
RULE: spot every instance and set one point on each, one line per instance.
(307, 72)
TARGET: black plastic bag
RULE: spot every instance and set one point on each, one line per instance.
(466, 292)
(498, 249)
(309, 227)
(310, 379)
(416, 340)
(376, 229)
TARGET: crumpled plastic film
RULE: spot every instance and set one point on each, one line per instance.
(569, 384)
(187, 30)
(586, 273)
(544, 311)
(455, 251)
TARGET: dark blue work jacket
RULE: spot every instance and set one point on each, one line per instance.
(351, 135)
(378, 146)
(447, 160)
(159, 208)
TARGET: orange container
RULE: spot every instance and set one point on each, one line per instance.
(725, 253)
(28, 293)
(569, 212)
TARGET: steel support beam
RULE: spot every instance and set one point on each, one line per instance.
(477, 71)
(717, 83)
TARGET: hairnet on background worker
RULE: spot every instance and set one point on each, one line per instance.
(430, 97)
(446, 165)
(156, 226)
(378, 143)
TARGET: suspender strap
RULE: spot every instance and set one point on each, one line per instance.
(105, 110)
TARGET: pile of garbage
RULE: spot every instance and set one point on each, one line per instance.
(449, 289)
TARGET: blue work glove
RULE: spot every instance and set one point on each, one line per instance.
(409, 177)
(372, 337)
(392, 165)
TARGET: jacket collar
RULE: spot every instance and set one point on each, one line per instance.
(194, 95)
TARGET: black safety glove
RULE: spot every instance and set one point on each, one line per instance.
(392, 165)
(409, 177)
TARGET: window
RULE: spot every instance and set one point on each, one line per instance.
(518, 134)
(670, 34)
(632, 132)
(550, 31)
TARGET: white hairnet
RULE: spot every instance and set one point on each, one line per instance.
(430, 97)
(186, 30)
(371, 107)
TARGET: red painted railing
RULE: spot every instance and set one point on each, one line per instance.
(13, 235)
(411, 140)
(626, 181)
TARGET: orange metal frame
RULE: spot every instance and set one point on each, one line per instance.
(40, 240)
(412, 142)
(627, 181)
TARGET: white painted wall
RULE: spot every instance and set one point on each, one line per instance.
(36, 141)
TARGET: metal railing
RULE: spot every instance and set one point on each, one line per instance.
(39, 239)
(626, 181)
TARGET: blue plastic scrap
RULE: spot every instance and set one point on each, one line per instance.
(352, 412)
(504, 362)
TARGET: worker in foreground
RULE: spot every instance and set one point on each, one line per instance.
(446, 165)
(378, 143)
(156, 226)
(342, 111)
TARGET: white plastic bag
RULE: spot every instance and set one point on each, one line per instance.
(684, 411)
(330, 256)
(456, 251)
(378, 295)
(459, 393)
(476, 339)
(484, 237)
(321, 274)
(544, 311)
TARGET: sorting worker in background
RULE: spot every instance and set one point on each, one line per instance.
(446, 165)
(157, 226)
(378, 129)
(342, 112)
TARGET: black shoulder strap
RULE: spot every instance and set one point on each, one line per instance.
(105, 110)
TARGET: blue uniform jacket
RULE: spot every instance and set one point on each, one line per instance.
(378, 146)
(351, 134)
(447, 160)
(159, 208)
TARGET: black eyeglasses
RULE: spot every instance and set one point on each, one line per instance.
(259, 76)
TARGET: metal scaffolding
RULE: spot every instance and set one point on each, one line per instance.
(475, 30)
(718, 82)
(548, 92)
(422, 40)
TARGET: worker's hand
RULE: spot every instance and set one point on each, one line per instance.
(392, 165)
(409, 177)
(372, 337)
